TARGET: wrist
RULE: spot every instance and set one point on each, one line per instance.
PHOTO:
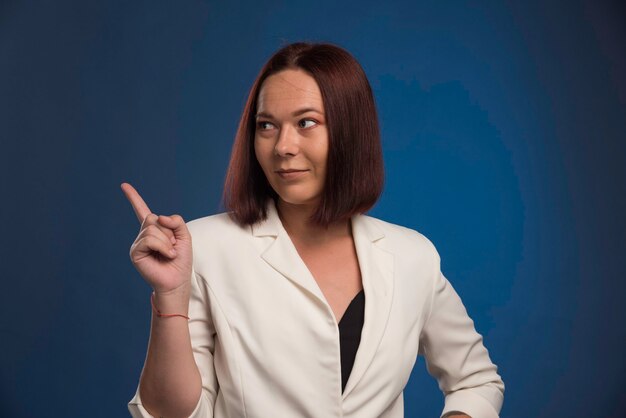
(180, 290)
(174, 301)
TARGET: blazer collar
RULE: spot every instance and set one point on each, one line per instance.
(272, 226)
(377, 269)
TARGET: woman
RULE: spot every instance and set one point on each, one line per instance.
(295, 304)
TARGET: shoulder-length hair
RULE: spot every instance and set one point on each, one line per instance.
(355, 176)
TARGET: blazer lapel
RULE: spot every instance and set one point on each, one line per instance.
(377, 275)
(376, 266)
(282, 254)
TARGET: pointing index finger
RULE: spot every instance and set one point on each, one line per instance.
(139, 206)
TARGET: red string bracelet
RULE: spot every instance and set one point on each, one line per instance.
(164, 315)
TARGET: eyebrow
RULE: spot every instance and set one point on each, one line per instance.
(294, 114)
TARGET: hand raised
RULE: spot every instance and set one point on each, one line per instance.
(162, 251)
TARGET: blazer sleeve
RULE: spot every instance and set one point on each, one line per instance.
(202, 332)
(456, 357)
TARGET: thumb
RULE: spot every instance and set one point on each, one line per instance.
(177, 224)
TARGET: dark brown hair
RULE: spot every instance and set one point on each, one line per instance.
(355, 176)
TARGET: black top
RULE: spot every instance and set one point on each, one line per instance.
(350, 327)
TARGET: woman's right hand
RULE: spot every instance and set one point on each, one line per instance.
(162, 251)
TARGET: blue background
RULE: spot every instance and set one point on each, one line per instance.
(504, 128)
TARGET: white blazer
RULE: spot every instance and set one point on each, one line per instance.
(266, 342)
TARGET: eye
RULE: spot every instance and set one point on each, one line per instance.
(264, 125)
(306, 123)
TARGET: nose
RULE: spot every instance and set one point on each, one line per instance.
(287, 143)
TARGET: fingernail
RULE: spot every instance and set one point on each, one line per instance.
(173, 240)
(173, 251)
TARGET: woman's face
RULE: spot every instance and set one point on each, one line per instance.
(291, 139)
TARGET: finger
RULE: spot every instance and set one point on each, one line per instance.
(163, 220)
(177, 224)
(152, 220)
(150, 244)
(163, 233)
(139, 206)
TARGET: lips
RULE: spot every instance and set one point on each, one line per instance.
(290, 174)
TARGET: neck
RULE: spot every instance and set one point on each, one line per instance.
(296, 220)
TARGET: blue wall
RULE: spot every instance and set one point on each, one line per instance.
(504, 130)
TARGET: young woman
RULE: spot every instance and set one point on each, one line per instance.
(295, 303)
